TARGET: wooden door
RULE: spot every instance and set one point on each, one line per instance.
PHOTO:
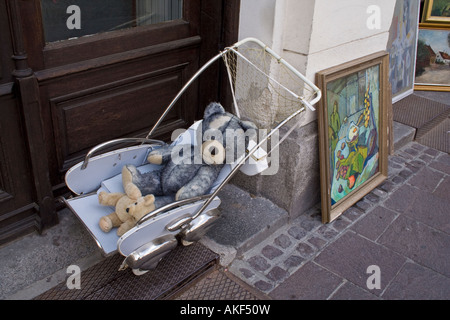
(111, 84)
(19, 209)
(98, 70)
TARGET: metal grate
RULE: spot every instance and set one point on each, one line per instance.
(430, 118)
(437, 137)
(416, 111)
(104, 282)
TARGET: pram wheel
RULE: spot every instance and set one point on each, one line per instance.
(198, 227)
(148, 256)
(186, 243)
(139, 272)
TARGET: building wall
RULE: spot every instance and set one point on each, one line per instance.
(257, 19)
(317, 34)
(312, 35)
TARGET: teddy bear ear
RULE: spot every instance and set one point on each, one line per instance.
(212, 108)
(148, 200)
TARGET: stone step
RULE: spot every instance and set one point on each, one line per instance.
(246, 221)
(403, 135)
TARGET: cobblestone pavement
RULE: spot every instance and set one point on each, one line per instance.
(402, 227)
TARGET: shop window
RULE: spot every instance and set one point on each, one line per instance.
(66, 19)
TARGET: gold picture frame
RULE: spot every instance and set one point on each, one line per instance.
(353, 131)
(433, 58)
(436, 12)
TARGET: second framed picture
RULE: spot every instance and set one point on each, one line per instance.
(433, 58)
(436, 11)
(353, 137)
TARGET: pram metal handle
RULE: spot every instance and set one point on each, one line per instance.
(317, 91)
(171, 206)
(309, 104)
(117, 141)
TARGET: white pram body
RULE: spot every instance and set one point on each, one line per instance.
(104, 174)
(186, 221)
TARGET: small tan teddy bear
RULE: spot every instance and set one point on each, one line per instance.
(127, 212)
(129, 206)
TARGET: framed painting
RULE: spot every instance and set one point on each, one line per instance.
(353, 131)
(401, 46)
(433, 59)
(436, 11)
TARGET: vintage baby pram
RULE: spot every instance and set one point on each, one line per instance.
(265, 89)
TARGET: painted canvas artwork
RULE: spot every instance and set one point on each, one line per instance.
(433, 58)
(402, 48)
(353, 130)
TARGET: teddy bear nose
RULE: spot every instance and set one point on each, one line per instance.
(128, 210)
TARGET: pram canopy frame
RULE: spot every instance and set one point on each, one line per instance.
(233, 48)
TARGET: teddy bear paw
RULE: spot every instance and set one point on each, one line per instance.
(105, 224)
(102, 197)
(125, 227)
(179, 194)
(121, 231)
(155, 158)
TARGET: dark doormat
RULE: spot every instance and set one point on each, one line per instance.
(428, 117)
(103, 281)
(437, 137)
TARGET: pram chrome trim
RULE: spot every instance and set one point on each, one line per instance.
(171, 206)
(317, 91)
(66, 202)
(180, 93)
(117, 141)
(309, 104)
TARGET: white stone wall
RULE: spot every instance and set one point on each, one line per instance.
(257, 18)
(317, 34)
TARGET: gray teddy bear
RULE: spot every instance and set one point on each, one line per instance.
(187, 170)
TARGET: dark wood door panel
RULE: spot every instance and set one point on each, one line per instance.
(62, 53)
(5, 179)
(113, 110)
(92, 73)
(124, 94)
(14, 159)
(6, 63)
(18, 211)
(42, 55)
(104, 101)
